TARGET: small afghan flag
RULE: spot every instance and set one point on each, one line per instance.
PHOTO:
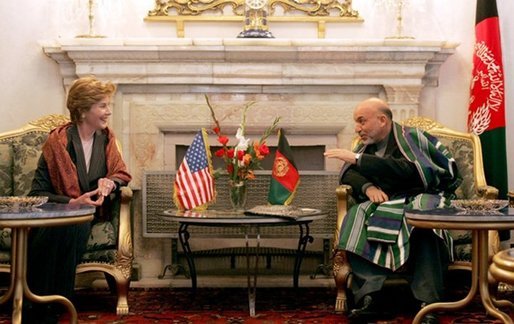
(486, 116)
(285, 177)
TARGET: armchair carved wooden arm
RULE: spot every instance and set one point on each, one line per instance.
(109, 249)
(467, 151)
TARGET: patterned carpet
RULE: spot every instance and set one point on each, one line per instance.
(230, 305)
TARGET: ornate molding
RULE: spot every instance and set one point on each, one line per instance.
(317, 11)
(50, 122)
(43, 124)
(196, 7)
(423, 123)
(316, 7)
(322, 8)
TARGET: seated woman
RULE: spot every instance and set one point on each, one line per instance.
(80, 164)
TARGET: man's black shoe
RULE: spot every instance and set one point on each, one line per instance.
(366, 311)
(429, 318)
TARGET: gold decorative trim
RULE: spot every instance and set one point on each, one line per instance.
(320, 12)
(441, 131)
(326, 8)
(316, 7)
(43, 124)
(196, 7)
(50, 122)
(421, 123)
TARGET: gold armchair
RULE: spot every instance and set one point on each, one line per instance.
(110, 250)
(467, 151)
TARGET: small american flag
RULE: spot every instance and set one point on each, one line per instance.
(194, 184)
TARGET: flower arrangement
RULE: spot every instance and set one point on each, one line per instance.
(243, 158)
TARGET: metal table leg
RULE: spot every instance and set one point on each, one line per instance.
(324, 268)
(303, 240)
(18, 288)
(175, 267)
(252, 287)
(184, 236)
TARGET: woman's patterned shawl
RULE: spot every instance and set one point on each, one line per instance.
(62, 170)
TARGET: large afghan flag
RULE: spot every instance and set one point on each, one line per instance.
(285, 177)
(486, 116)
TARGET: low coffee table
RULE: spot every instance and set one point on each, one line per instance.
(248, 223)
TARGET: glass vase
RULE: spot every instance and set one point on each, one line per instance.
(237, 195)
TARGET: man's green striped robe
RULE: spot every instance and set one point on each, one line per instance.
(380, 233)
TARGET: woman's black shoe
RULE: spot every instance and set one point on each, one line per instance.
(34, 313)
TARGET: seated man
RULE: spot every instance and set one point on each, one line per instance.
(394, 167)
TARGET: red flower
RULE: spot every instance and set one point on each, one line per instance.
(230, 153)
(264, 149)
(223, 140)
(220, 153)
(260, 151)
(240, 166)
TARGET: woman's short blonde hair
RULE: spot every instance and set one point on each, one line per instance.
(84, 93)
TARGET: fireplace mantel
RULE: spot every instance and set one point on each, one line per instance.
(393, 63)
(312, 83)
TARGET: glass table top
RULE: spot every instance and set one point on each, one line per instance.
(241, 217)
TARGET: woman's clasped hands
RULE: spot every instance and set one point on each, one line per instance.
(105, 186)
(96, 197)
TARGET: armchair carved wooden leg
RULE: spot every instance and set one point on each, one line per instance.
(125, 253)
(122, 287)
(342, 274)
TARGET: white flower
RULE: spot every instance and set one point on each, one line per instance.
(242, 144)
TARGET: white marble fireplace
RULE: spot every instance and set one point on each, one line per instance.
(312, 84)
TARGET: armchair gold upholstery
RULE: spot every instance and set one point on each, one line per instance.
(110, 251)
(467, 151)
